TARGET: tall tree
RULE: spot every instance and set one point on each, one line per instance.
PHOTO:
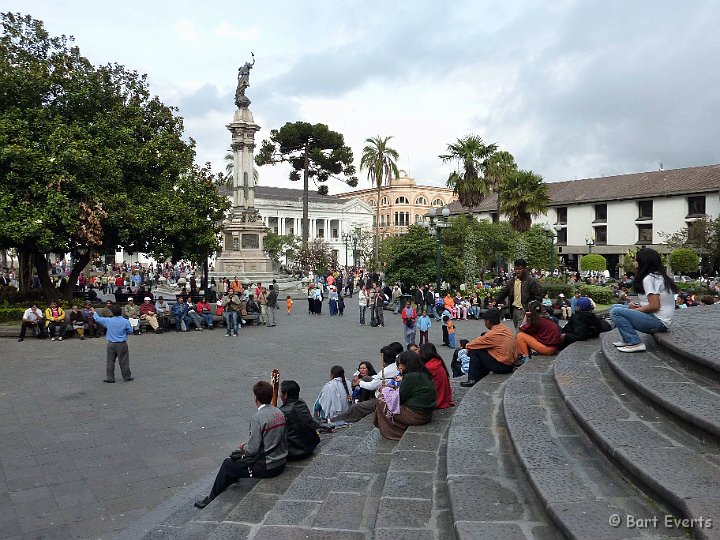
(380, 162)
(470, 154)
(86, 152)
(523, 195)
(499, 166)
(316, 151)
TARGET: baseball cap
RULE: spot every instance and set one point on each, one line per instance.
(583, 304)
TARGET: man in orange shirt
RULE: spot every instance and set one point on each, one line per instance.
(495, 351)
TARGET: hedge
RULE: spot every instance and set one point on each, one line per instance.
(601, 295)
(12, 314)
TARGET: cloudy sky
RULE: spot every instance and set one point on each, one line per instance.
(573, 89)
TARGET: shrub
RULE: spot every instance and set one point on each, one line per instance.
(554, 287)
(684, 261)
(593, 261)
(12, 314)
(601, 295)
(12, 296)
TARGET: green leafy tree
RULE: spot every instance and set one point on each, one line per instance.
(535, 247)
(494, 242)
(380, 162)
(196, 236)
(316, 257)
(523, 195)
(593, 262)
(277, 245)
(411, 259)
(85, 152)
(703, 236)
(628, 264)
(316, 151)
(469, 183)
(684, 261)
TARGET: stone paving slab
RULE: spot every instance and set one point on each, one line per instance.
(666, 381)
(488, 494)
(676, 467)
(693, 335)
(127, 447)
(578, 486)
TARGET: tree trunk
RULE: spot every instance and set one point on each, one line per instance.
(376, 249)
(25, 267)
(68, 291)
(204, 281)
(50, 292)
(305, 217)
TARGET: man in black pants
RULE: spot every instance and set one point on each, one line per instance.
(264, 455)
(494, 351)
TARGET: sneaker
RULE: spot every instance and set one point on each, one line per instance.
(640, 347)
(52, 338)
(468, 384)
(619, 344)
(228, 335)
(60, 338)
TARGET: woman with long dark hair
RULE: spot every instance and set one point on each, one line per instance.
(654, 312)
(435, 365)
(538, 333)
(416, 395)
(335, 396)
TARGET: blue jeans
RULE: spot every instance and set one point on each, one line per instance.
(231, 321)
(627, 321)
(362, 314)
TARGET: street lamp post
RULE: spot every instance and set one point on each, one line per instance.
(435, 224)
(552, 232)
(346, 239)
(589, 242)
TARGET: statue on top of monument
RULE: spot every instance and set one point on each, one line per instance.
(241, 100)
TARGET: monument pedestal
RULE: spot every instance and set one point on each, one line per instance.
(244, 239)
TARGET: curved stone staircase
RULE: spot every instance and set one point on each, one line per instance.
(591, 444)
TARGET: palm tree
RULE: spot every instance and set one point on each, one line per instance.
(499, 166)
(380, 162)
(471, 154)
(523, 195)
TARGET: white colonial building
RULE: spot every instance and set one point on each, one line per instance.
(615, 214)
(281, 211)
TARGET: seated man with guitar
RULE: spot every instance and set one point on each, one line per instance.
(264, 455)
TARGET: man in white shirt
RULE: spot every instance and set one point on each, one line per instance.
(360, 410)
(32, 318)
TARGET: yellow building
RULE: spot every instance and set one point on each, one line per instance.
(402, 203)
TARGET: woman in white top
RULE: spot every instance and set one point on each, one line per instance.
(654, 312)
(335, 396)
(362, 303)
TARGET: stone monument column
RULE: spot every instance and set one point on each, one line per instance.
(243, 231)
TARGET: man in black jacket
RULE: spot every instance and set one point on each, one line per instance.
(520, 290)
(301, 430)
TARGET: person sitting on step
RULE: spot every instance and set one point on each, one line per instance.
(360, 410)
(301, 429)
(265, 452)
(494, 351)
(417, 399)
(538, 333)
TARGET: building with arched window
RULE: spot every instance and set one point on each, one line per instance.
(402, 203)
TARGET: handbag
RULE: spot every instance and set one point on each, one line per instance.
(391, 398)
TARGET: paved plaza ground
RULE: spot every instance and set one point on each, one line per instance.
(81, 458)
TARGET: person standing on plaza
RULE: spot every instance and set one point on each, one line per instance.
(521, 289)
(424, 323)
(272, 298)
(262, 302)
(32, 318)
(289, 303)
(118, 330)
(362, 303)
(231, 312)
(332, 300)
(379, 305)
(409, 319)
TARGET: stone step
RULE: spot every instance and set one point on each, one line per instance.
(489, 495)
(672, 465)
(693, 336)
(578, 486)
(414, 498)
(663, 379)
